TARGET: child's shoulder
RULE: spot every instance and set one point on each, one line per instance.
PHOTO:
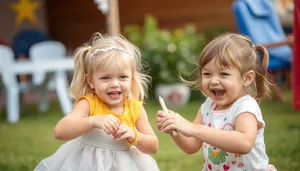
(134, 107)
(95, 104)
(246, 104)
(89, 97)
(247, 101)
(206, 105)
(136, 104)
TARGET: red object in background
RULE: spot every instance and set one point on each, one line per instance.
(3, 42)
(296, 57)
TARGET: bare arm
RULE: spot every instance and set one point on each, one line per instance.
(75, 123)
(78, 122)
(189, 145)
(167, 123)
(147, 140)
(241, 140)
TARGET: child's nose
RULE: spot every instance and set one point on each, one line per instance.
(114, 83)
(215, 80)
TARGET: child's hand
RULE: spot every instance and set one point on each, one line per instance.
(125, 132)
(159, 119)
(109, 123)
(173, 121)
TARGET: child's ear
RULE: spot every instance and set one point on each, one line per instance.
(248, 77)
(88, 80)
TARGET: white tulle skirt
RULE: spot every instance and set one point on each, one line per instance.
(97, 151)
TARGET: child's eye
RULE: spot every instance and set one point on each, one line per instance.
(123, 77)
(224, 74)
(104, 78)
(206, 74)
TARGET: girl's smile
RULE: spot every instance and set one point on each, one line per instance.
(114, 94)
(222, 84)
(112, 84)
(218, 92)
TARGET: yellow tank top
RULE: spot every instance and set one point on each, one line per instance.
(129, 116)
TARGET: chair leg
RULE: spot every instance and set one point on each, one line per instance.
(0, 103)
(62, 92)
(13, 104)
(43, 104)
(12, 97)
(22, 104)
(278, 93)
(288, 79)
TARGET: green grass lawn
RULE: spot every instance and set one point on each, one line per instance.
(24, 144)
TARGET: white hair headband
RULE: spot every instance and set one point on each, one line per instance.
(106, 49)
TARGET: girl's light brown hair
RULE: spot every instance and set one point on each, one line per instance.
(87, 64)
(236, 50)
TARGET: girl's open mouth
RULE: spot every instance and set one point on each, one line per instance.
(114, 94)
(218, 92)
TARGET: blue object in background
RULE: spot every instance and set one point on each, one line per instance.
(25, 39)
(258, 20)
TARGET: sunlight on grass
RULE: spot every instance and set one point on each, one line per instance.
(24, 144)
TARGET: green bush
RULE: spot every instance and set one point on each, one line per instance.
(168, 52)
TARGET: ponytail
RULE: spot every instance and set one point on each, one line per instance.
(79, 85)
(262, 78)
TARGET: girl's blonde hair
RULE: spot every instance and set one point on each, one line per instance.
(88, 61)
(236, 50)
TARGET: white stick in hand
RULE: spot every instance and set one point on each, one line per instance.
(165, 109)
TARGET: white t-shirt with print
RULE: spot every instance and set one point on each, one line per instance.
(218, 160)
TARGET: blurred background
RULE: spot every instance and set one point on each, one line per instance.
(170, 34)
(72, 22)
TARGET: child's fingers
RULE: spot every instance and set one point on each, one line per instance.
(160, 114)
(128, 134)
(168, 128)
(119, 132)
(114, 119)
(124, 129)
(108, 128)
(113, 125)
(160, 120)
(106, 131)
(118, 135)
(121, 129)
(123, 136)
(158, 125)
(167, 121)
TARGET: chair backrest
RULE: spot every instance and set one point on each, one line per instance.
(47, 50)
(258, 20)
(7, 58)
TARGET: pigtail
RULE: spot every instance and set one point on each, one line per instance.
(94, 38)
(141, 80)
(79, 85)
(262, 78)
(140, 86)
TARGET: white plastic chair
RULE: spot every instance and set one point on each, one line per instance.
(41, 51)
(7, 57)
(49, 50)
(13, 87)
(46, 50)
